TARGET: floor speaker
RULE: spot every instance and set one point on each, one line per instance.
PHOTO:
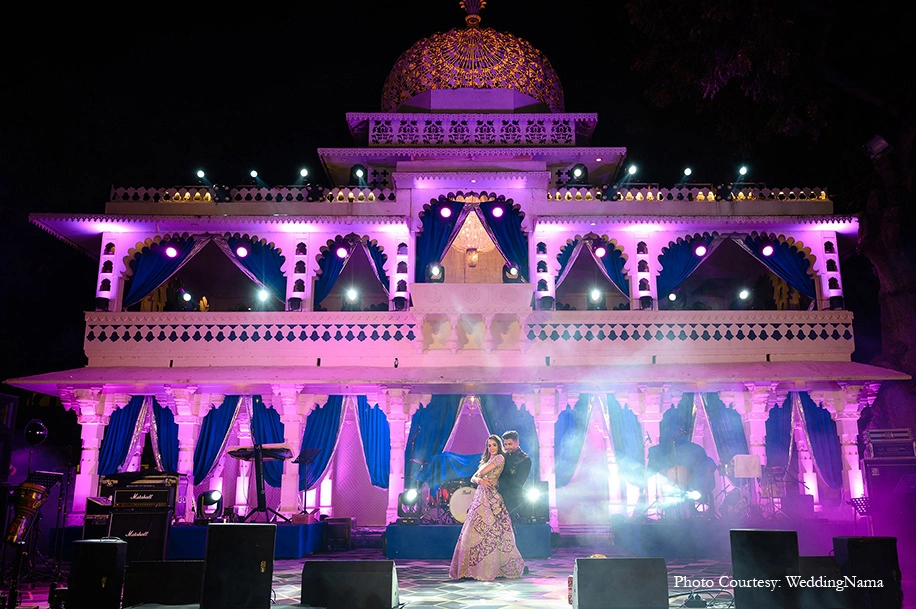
(347, 584)
(238, 566)
(871, 560)
(620, 583)
(822, 570)
(172, 582)
(146, 533)
(891, 484)
(763, 554)
(96, 574)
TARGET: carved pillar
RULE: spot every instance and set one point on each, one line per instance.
(186, 408)
(807, 473)
(488, 336)
(752, 405)
(398, 410)
(649, 414)
(241, 504)
(420, 337)
(546, 411)
(291, 407)
(615, 492)
(845, 406)
(453, 342)
(89, 405)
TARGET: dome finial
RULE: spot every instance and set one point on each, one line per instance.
(473, 8)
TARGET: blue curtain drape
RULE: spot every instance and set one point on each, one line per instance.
(331, 266)
(152, 267)
(263, 264)
(266, 428)
(786, 261)
(119, 435)
(500, 414)
(430, 428)
(378, 258)
(376, 437)
(612, 265)
(448, 466)
(678, 419)
(322, 428)
(678, 261)
(779, 434)
(629, 447)
(167, 440)
(436, 234)
(727, 429)
(570, 430)
(565, 258)
(214, 431)
(506, 231)
(824, 441)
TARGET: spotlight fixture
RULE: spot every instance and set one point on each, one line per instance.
(352, 300)
(409, 507)
(672, 296)
(511, 273)
(600, 251)
(241, 251)
(767, 249)
(303, 172)
(876, 148)
(688, 171)
(342, 251)
(536, 509)
(209, 507)
(352, 295)
(435, 273)
(253, 173)
(744, 294)
(700, 250)
(578, 175)
(185, 296)
(171, 252)
(263, 295)
(445, 212)
(631, 170)
(742, 171)
(201, 173)
(358, 174)
(596, 300)
(497, 212)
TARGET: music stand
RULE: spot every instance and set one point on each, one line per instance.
(306, 456)
(258, 453)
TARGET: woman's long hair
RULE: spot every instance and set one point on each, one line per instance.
(486, 450)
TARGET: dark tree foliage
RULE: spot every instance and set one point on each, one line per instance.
(831, 74)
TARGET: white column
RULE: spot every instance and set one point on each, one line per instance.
(292, 408)
(808, 475)
(546, 411)
(90, 414)
(845, 406)
(649, 414)
(398, 410)
(186, 408)
(241, 503)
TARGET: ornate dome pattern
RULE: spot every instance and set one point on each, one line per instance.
(476, 59)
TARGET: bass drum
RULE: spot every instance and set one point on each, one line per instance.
(460, 502)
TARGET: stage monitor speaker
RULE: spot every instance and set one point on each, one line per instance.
(822, 596)
(349, 584)
(620, 583)
(871, 559)
(238, 566)
(96, 574)
(891, 485)
(763, 554)
(146, 533)
(164, 582)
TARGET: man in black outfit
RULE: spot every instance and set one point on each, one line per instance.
(514, 476)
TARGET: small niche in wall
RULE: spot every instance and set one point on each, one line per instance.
(402, 286)
(831, 266)
(107, 267)
(542, 266)
(542, 285)
(402, 267)
(299, 286)
(402, 249)
(300, 267)
(541, 248)
(642, 266)
(109, 249)
(828, 247)
(642, 248)
(643, 285)
(833, 283)
(105, 286)
(301, 250)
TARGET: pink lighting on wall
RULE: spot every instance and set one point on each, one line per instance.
(171, 252)
(241, 251)
(342, 252)
(700, 250)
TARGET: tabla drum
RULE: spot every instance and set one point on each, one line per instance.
(460, 502)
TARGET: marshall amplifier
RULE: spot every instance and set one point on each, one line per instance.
(146, 533)
(144, 498)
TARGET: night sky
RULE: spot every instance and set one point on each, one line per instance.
(94, 100)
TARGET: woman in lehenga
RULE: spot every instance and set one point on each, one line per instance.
(486, 546)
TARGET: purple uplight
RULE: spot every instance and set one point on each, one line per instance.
(497, 212)
(700, 250)
(241, 251)
(767, 250)
(171, 252)
(342, 252)
(600, 251)
(445, 212)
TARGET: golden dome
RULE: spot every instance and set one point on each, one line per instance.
(472, 58)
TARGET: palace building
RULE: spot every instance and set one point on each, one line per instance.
(476, 265)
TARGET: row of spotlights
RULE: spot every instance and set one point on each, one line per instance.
(254, 173)
(743, 294)
(446, 212)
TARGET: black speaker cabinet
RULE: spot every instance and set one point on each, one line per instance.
(146, 533)
(763, 554)
(239, 566)
(821, 569)
(891, 485)
(871, 559)
(620, 583)
(164, 582)
(346, 584)
(96, 574)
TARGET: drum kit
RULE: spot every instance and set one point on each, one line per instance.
(448, 503)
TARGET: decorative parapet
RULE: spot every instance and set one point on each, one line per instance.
(386, 129)
(608, 192)
(221, 194)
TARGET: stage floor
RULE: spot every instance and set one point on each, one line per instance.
(424, 583)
